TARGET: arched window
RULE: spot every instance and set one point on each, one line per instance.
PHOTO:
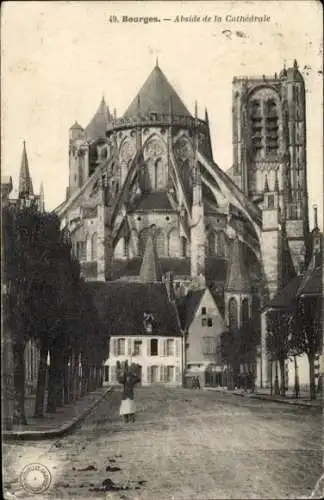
(220, 244)
(88, 247)
(94, 247)
(133, 246)
(245, 314)
(160, 243)
(232, 314)
(126, 246)
(159, 174)
(173, 243)
(211, 243)
(183, 246)
(142, 241)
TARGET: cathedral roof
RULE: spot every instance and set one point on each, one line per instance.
(238, 279)
(96, 129)
(150, 271)
(155, 200)
(25, 182)
(112, 299)
(155, 96)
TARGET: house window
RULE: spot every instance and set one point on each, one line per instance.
(137, 347)
(170, 373)
(121, 347)
(154, 374)
(209, 346)
(203, 311)
(170, 347)
(203, 321)
(154, 347)
(209, 322)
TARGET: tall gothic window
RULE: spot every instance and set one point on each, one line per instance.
(173, 243)
(160, 243)
(183, 246)
(94, 247)
(245, 311)
(272, 126)
(211, 243)
(142, 241)
(88, 247)
(232, 314)
(159, 174)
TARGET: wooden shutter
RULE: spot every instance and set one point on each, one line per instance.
(149, 375)
(148, 346)
(114, 346)
(165, 347)
(178, 375)
(178, 348)
(130, 348)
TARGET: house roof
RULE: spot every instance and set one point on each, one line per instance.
(98, 125)
(121, 307)
(188, 305)
(154, 97)
(120, 268)
(285, 296)
(76, 126)
(313, 285)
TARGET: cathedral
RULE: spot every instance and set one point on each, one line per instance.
(147, 201)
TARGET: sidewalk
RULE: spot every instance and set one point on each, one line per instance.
(264, 394)
(54, 425)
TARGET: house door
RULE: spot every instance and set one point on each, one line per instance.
(154, 374)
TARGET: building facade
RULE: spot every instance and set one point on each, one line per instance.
(154, 166)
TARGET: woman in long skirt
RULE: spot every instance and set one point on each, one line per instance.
(127, 407)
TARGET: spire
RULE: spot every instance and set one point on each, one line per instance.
(238, 279)
(97, 127)
(138, 102)
(157, 62)
(295, 64)
(266, 185)
(25, 182)
(196, 109)
(150, 271)
(41, 198)
(315, 217)
(206, 116)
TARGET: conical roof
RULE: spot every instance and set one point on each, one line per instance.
(98, 125)
(150, 270)
(25, 182)
(238, 279)
(76, 126)
(155, 96)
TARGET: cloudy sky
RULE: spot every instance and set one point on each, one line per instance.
(59, 58)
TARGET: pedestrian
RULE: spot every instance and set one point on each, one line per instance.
(127, 408)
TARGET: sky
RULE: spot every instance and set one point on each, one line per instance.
(59, 58)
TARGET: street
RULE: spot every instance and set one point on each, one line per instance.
(185, 444)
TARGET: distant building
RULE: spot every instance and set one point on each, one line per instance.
(154, 166)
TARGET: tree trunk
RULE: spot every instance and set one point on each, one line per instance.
(75, 375)
(297, 387)
(282, 377)
(51, 396)
(19, 416)
(276, 384)
(41, 382)
(66, 388)
(312, 386)
(271, 377)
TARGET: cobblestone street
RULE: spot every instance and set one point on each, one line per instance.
(184, 444)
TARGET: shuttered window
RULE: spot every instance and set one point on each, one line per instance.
(178, 348)
(149, 375)
(170, 347)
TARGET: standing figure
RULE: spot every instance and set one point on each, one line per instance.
(127, 408)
